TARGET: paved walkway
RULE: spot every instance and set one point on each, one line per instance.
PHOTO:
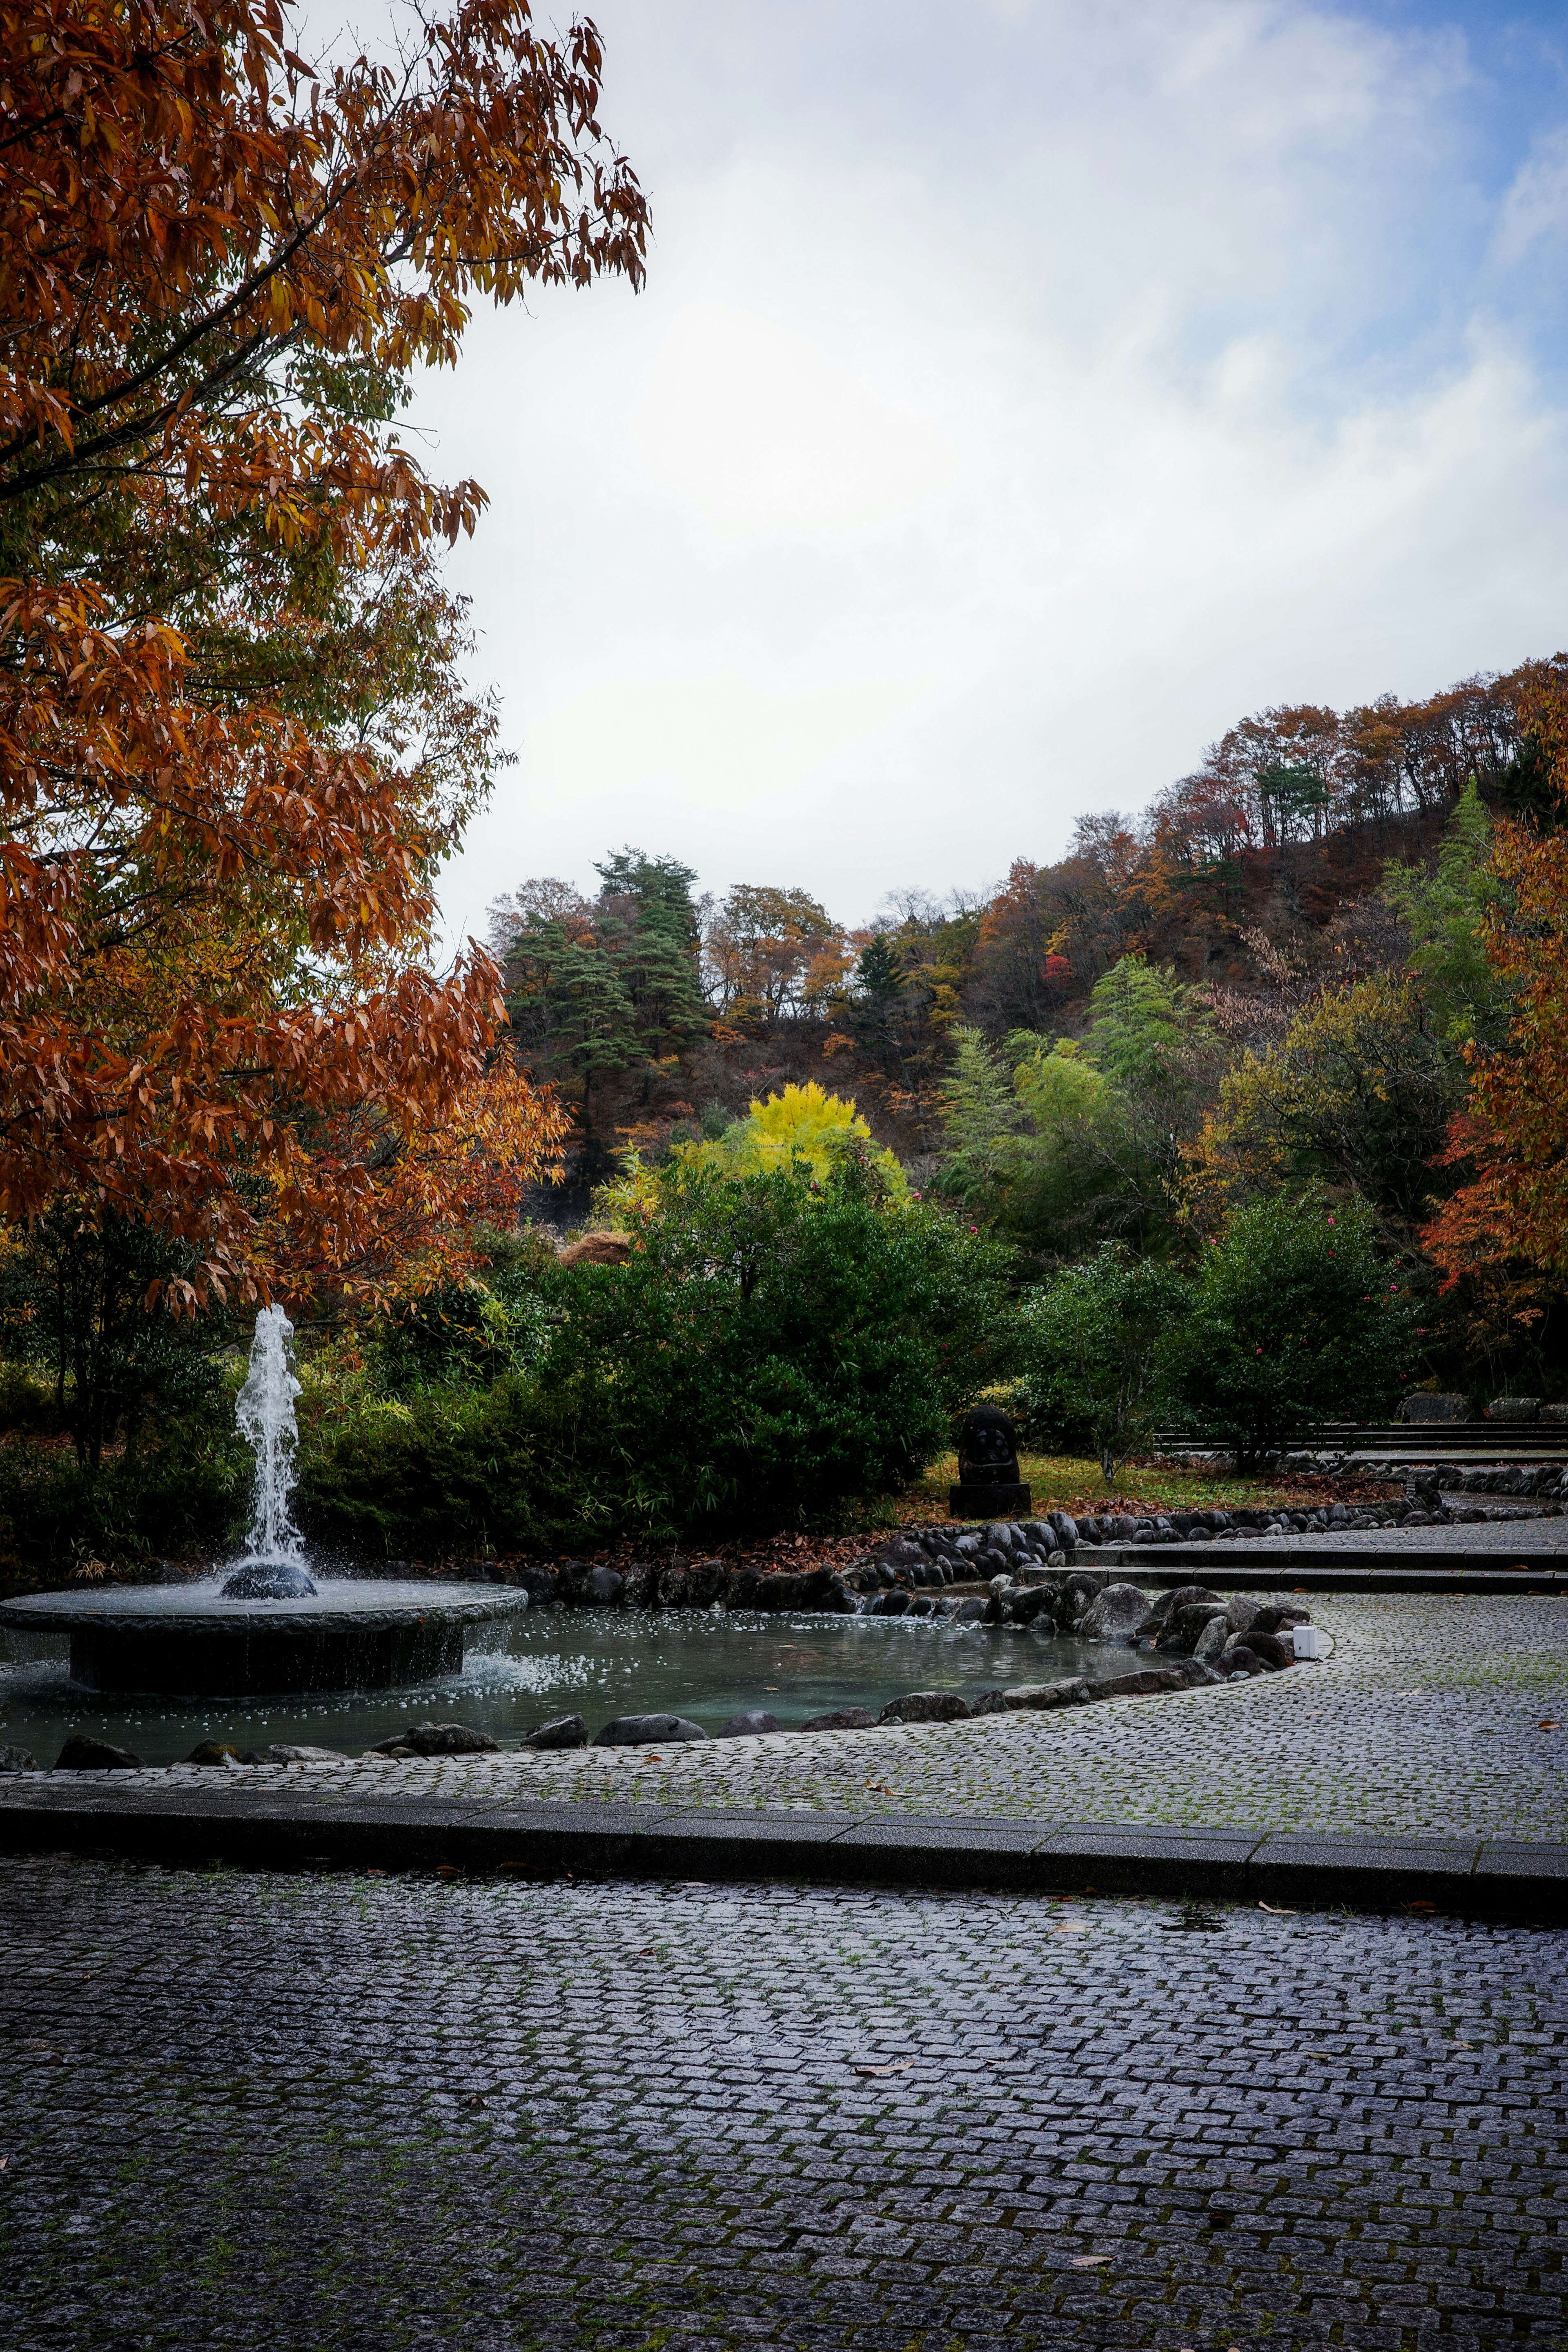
(348, 2114)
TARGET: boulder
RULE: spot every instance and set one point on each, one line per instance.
(646, 1731)
(971, 1610)
(1070, 1690)
(1514, 1409)
(1027, 1603)
(1115, 1614)
(1215, 1634)
(707, 1580)
(601, 1588)
(1079, 1592)
(1159, 1610)
(1273, 1652)
(1144, 1681)
(841, 1718)
(571, 1576)
(17, 1759)
(926, 1707)
(639, 1585)
(81, 1753)
(1425, 1406)
(1241, 1661)
(214, 1751)
(750, 1724)
(287, 1751)
(817, 1588)
(1184, 1626)
(1277, 1616)
(450, 1739)
(541, 1585)
(560, 1731)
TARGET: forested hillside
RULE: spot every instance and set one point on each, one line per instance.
(1275, 976)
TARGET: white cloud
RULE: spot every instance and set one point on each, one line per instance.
(1020, 394)
(1535, 209)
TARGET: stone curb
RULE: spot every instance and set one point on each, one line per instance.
(1483, 1878)
(1271, 1566)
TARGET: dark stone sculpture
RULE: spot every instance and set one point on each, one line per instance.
(989, 1486)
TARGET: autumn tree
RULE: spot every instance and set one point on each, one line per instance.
(233, 744)
(1357, 1092)
(1510, 1138)
(767, 950)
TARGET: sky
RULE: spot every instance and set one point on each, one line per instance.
(1022, 391)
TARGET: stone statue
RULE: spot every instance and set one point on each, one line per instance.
(987, 1449)
(989, 1486)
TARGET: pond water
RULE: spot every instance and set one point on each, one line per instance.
(592, 1663)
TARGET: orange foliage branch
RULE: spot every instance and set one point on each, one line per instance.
(214, 890)
(1513, 1131)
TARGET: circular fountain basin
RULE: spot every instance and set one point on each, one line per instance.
(198, 1643)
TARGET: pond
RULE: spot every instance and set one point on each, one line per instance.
(592, 1663)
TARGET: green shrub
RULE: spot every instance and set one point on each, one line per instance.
(778, 1346)
(469, 1333)
(1090, 1344)
(183, 1492)
(1296, 1317)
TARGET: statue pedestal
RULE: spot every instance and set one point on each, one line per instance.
(988, 1502)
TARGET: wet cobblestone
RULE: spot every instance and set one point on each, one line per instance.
(345, 2113)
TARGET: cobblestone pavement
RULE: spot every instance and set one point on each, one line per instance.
(277, 2113)
(1429, 1716)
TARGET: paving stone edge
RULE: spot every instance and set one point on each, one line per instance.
(297, 1828)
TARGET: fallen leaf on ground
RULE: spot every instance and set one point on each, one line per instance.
(1072, 1927)
(1550, 1724)
(1088, 2261)
(904, 2066)
(1279, 1910)
(1421, 1906)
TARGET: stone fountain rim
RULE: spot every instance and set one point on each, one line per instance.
(129, 1612)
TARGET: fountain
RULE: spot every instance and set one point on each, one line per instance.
(268, 1625)
(274, 1568)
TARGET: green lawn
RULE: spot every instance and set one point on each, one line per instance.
(1064, 1482)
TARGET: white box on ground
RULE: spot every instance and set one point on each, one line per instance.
(1309, 1641)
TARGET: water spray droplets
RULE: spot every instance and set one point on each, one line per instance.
(265, 1415)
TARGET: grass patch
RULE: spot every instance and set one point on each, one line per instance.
(1066, 1482)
